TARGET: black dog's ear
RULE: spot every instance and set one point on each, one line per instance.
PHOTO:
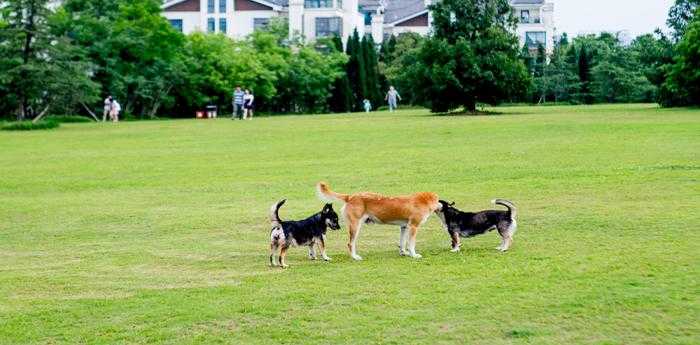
(452, 204)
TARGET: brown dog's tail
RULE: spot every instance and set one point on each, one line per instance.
(327, 195)
(274, 213)
(511, 207)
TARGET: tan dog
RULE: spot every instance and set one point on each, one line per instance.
(409, 212)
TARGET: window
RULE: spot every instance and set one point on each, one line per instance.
(318, 3)
(176, 23)
(260, 23)
(368, 18)
(534, 38)
(210, 25)
(222, 6)
(222, 25)
(329, 26)
(525, 16)
(210, 6)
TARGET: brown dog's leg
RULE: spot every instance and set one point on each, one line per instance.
(412, 232)
(354, 230)
(403, 238)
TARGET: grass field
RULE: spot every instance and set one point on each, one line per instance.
(157, 232)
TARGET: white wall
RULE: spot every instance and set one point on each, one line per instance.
(241, 22)
(396, 30)
(190, 21)
(546, 15)
(310, 15)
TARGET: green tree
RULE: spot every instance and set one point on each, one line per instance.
(341, 100)
(541, 77)
(137, 52)
(356, 71)
(584, 75)
(213, 66)
(39, 69)
(680, 15)
(472, 57)
(683, 84)
(400, 52)
(369, 52)
(655, 56)
(563, 79)
(304, 73)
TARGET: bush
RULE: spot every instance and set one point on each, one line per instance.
(29, 126)
(69, 119)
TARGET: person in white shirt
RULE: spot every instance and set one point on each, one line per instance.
(107, 110)
(391, 98)
(248, 105)
(116, 108)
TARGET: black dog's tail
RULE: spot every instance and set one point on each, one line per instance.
(274, 212)
(511, 207)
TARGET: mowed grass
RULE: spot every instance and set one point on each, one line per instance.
(157, 232)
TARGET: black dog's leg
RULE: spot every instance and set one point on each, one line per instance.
(283, 256)
(456, 245)
(312, 251)
(273, 250)
(322, 249)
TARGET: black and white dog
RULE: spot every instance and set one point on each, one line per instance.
(308, 232)
(467, 224)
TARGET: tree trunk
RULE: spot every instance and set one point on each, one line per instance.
(41, 114)
(470, 105)
(90, 112)
(21, 111)
(29, 29)
(157, 102)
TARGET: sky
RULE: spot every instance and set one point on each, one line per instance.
(591, 16)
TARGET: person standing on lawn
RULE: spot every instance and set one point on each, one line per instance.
(391, 98)
(248, 106)
(107, 110)
(238, 95)
(116, 108)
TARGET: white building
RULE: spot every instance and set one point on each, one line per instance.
(319, 18)
(535, 23)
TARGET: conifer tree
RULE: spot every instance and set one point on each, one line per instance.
(356, 71)
(341, 100)
(371, 69)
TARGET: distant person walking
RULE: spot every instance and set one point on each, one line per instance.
(248, 105)
(391, 97)
(107, 110)
(368, 105)
(238, 95)
(116, 108)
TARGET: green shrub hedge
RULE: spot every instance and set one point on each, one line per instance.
(29, 125)
(69, 119)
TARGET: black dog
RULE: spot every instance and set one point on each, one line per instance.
(467, 224)
(305, 232)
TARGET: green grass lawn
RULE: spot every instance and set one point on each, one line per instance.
(157, 232)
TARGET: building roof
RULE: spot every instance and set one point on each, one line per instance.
(284, 3)
(526, 2)
(400, 10)
(281, 3)
(370, 4)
